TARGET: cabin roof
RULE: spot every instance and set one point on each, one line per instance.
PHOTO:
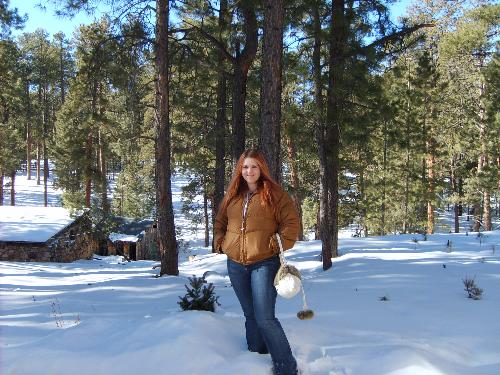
(32, 224)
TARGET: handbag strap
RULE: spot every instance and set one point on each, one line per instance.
(282, 253)
(283, 263)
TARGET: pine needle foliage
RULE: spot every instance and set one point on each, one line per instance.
(472, 289)
(199, 296)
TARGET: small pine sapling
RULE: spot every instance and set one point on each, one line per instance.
(481, 238)
(199, 296)
(472, 289)
(449, 246)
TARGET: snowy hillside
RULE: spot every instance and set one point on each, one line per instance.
(392, 305)
(29, 193)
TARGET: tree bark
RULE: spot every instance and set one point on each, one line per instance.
(384, 182)
(220, 122)
(407, 157)
(338, 40)
(103, 173)
(1, 188)
(167, 243)
(454, 189)
(88, 169)
(241, 66)
(12, 188)
(205, 215)
(62, 86)
(271, 86)
(44, 144)
(431, 160)
(323, 224)
(476, 212)
(45, 173)
(38, 152)
(484, 158)
(29, 139)
(294, 182)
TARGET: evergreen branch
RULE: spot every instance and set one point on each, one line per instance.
(395, 36)
(217, 43)
(203, 61)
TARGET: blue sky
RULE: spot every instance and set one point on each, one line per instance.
(46, 19)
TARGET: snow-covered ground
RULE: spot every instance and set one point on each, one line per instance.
(29, 193)
(392, 305)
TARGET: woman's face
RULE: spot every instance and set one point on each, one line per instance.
(250, 171)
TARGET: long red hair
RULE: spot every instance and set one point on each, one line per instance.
(238, 186)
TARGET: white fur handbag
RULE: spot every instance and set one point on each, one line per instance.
(288, 283)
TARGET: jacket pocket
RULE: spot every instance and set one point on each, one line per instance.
(231, 244)
(257, 246)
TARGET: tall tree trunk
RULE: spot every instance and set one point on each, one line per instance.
(62, 86)
(460, 194)
(166, 229)
(13, 188)
(38, 159)
(220, 122)
(90, 152)
(29, 139)
(239, 99)
(454, 189)
(103, 167)
(28, 150)
(1, 188)
(323, 224)
(407, 157)
(362, 188)
(483, 157)
(271, 82)
(44, 144)
(103, 173)
(407, 191)
(294, 182)
(205, 215)
(88, 168)
(476, 213)
(335, 97)
(430, 191)
(241, 66)
(384, 176)
(45, 174)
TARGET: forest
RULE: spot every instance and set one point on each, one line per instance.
(366, 121)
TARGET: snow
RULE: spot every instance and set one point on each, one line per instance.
(32, 224)
(391, 305)
(29, 220)
(122, 237)
(29, 193)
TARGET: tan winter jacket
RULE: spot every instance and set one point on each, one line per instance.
(252, 239)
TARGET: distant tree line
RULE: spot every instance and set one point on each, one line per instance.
(365, 121)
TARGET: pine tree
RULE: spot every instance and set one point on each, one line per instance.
(82, 139)
(11, 111)
(199, 296)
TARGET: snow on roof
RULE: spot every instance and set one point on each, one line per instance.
(122, 237)
(32, 224)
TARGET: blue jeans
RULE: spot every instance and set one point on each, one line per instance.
(253, 285)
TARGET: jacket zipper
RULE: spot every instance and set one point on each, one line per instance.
(246, 204)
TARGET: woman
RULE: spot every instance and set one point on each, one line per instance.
(254, 208)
